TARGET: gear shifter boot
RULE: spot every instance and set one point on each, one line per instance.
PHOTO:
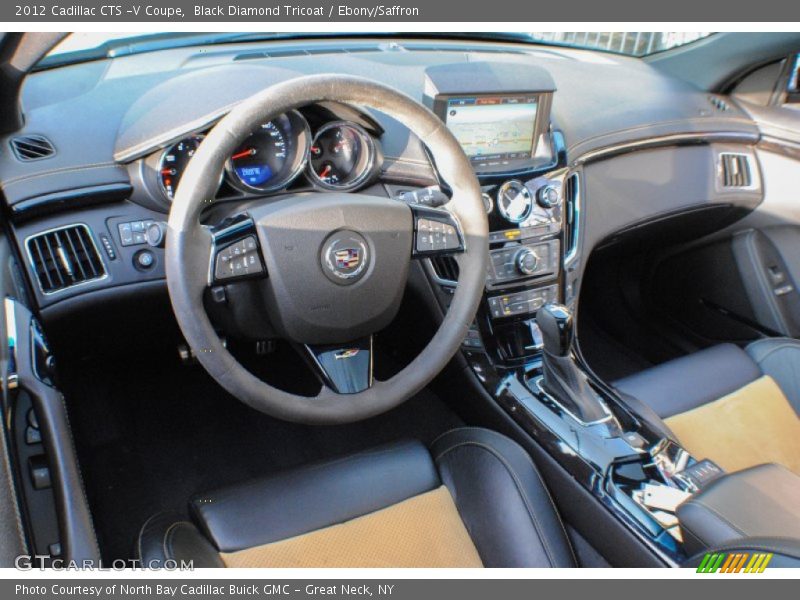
(562, 379)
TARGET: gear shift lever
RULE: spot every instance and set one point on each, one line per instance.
(561, 378)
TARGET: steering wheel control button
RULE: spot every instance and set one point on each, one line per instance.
(429, 196)
(345, 257)
(239, 259)
(436, 232)
(144, 260)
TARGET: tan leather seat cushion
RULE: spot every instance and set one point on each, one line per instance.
(423, 531)
(752, 426)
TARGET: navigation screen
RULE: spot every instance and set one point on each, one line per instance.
(493, 127)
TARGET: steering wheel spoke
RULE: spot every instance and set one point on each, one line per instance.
(436, 232)
(236, 253)
(345, 368)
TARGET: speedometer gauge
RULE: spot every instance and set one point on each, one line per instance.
(272, 156)
(341, 157)
(173, 162)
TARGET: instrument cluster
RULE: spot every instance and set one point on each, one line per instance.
(339, 156)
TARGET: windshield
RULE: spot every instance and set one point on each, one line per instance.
(642, 43)
(83, 46)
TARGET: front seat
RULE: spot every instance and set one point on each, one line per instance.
(475, 499)
(736, 407)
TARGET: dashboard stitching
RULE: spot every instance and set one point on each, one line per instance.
(26, 178)
(650, 126)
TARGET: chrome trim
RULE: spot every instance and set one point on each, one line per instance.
(328, 382)
(11, 377)
(780, 146)
(606, 419)
(427, 263)
(674, 139)
(73, 285)
(523, 190)
(572, 253)
(720, 175)
(366, 170)
(488, 202)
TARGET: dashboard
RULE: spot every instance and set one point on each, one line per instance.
(534, 125)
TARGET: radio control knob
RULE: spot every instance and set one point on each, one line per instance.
(526, 261)
(547, 196)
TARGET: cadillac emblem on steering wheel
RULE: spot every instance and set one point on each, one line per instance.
(345, 257)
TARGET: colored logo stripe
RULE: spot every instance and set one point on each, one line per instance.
(734, 563)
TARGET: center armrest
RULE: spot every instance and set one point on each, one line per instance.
(759, 502)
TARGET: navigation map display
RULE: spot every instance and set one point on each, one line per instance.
(493, 128)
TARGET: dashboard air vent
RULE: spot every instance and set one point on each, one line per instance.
(572, 209)
(735, 170)
(64, 257)
(32, 147)
(445, 267)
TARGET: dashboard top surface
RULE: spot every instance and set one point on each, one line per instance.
(100, 115)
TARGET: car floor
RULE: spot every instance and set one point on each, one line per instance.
(151, 433)
(622, 328)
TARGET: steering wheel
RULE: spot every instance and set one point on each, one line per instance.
(329, 269)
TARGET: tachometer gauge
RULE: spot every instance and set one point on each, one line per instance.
(173, 162)
(272, 156)
(514, 201)
(341, 157)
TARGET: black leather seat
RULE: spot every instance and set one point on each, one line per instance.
(738, 407)
(495, 488)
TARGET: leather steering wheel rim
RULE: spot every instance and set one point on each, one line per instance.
(189, 247)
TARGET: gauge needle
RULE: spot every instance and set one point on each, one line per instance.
(325, 172)
(243, 153)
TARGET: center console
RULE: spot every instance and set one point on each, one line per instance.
(520, 349)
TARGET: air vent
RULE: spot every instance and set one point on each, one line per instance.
(32, 147)
(65, 257)
(572, 213)
(735, 170)
(719, 103)
(445, 267)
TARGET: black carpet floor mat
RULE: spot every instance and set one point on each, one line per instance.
(151, 433)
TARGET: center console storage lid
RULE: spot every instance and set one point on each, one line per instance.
(759, 502)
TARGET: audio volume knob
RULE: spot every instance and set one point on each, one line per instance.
(526, 261)
(547, 196)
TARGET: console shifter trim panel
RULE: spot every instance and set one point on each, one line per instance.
(606, 419)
